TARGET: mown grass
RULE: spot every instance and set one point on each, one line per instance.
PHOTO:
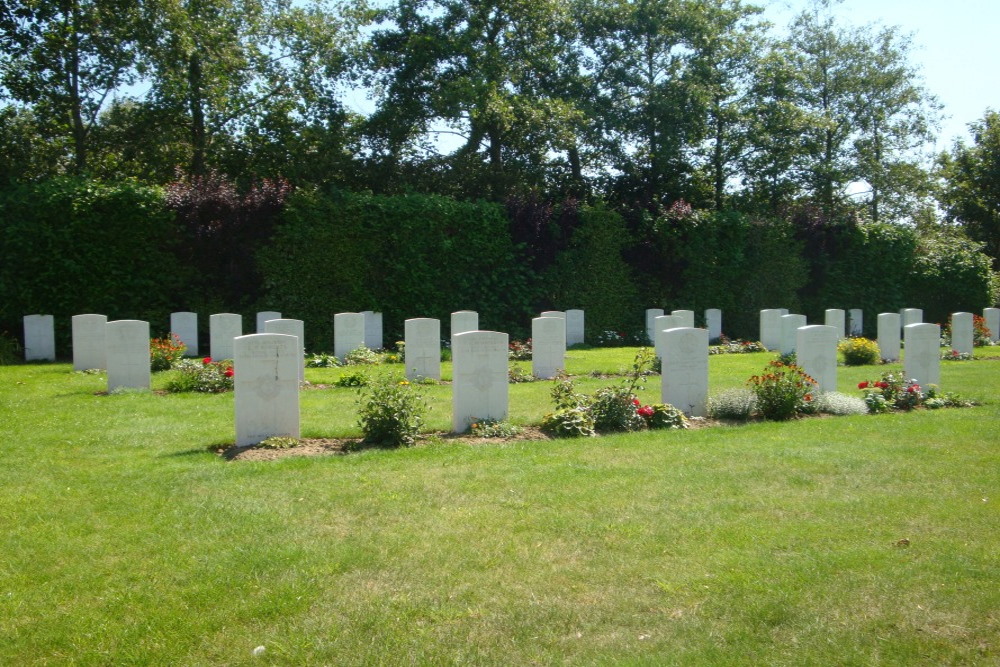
(854, 540)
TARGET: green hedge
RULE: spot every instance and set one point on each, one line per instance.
(951, 275)
(406, 256)
(72, 246)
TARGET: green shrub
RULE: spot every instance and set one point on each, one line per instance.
(353, 379)
(662, 415)
(361, 356)
(616, 409)
(10, 350)
(516, 374)
(892, 392)
(201, 375)
(783, 391)
(322, 361)
(737, 404)
(493, 428)
(952, 275)
(390, 413)
(860, 352)
(576, 422)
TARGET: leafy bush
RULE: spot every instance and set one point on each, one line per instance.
(519, 350)
(361, 356)
(516, 374)
(576, 422)
(165, 352)
(737, 404)
(616, 409)
(952, 275)
(10, 350)
(662, 415)
(203, 375)
(783, 391)
(355, 379)
(493, 428)
(391, 413)
(836, 403)
(860, 352)
(322, 361)
(892, 392)
(955, 355)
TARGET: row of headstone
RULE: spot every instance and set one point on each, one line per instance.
(573, 323)
(682, 318)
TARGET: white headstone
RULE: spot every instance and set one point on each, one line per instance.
(266, 382)
(463, 321)
(783, 311)
(185, 325)
(295, 328)
(922, 361)
(575, 327)
(770, 328)
(684, 378)
(855, 322)
(373, 330)
(223, 328)
(422, 352)
(834, 317)
(790, 325)
(479, 388)
(652, 314)
(348, 333)
(992, 319)
(962, 337)
(684, 318)
(661, 324)
(548, 346)
(39, 338)
(553, 313)
(713, 322)
(89, 342)
(127, 352)
(816, 354)
(888, 336)
(265, 315)
(909, 316)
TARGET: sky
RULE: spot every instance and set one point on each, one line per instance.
(955, 46)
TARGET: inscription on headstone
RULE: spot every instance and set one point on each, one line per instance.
(922, 361)
(479, 387)
(888, 336)
(816, 354)
(266, 383)
(348, 333)
(684, 378)
(89, 342)
(127, 352)
(39, 338)
(548, 346)
(423, 348)
(223, 328)
(291, 327)
(185, 325)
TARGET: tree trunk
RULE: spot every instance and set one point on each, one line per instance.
(76, 110)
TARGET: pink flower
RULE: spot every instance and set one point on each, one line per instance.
(913, 388)
(645, 411)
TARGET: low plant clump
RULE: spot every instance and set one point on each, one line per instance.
(955, 355)
(493, 428)
(860, 352)
(396, 355)
(839, 404)
(322, 361)
(353, 379)
(519, 350)
(361, 356)
(279, 442)
(738, 404)
(738, 346)
(205, 375)
(164, 353)
(10, 350)
(390, 413)
(613, 409)
(784, 391)
(516, 375)
(895, 392)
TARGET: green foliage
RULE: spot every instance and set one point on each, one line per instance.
(519, 350)
(361, 356)
(390, 413)
(165, 352)
(783, 391)
(403, 255)
(860, 352)
(87, 247)
(279, 442)
(952, 275)
(891, 392)
(322, 361)
(596, 249)
(516, 374)
(201, 375)
(738, 404)
(663, 415)
(354, 379)
(576, 422)
(493, 428)
(10, 350)
(737, 346)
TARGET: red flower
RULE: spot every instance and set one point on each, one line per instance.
(206, 360)
(645, 411)
(635, 401)
(912, 388)
(228, 372)
(882, 385)
(863, 385)
(808, 397)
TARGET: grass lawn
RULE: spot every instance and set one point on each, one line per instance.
(851, 540)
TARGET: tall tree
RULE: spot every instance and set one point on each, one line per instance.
(970, 190)
(65, 59)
